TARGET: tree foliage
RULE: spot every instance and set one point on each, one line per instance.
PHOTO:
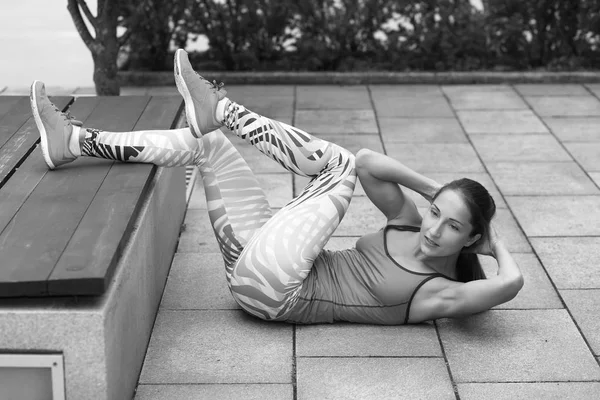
(340, 35)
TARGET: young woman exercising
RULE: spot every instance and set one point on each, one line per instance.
(414, 269)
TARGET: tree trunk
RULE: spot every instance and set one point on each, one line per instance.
(105, 46)
(105, 70)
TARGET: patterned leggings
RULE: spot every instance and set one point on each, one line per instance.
(267, 257)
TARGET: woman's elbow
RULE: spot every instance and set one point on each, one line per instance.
(514, 286)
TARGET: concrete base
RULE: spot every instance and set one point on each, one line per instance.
(103, 339)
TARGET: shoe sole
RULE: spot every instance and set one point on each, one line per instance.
(40, 125)
(190, 111)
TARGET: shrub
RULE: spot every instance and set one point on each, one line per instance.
(342, 35)
(243, 33)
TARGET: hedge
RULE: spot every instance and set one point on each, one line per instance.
(369, 35)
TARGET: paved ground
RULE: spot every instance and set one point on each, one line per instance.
(536, 148)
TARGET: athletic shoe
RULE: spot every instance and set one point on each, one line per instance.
(55, 127)
(200, 96)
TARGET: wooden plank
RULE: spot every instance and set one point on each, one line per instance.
(10, 123)
(34, 240)
(89, 261)
(18, 147)
(6, 103)
(20, 185)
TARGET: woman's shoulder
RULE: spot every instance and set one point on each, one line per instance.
(406, 220)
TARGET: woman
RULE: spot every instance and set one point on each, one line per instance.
(414, 269)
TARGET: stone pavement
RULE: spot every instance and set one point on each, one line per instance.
(535, 147)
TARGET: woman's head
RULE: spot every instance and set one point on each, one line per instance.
(459, 215)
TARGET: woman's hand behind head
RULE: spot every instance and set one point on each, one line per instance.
(486, 245)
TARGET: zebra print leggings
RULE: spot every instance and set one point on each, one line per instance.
(267, 257)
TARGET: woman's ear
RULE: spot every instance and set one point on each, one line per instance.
(473, 239)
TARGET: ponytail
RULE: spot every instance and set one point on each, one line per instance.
(468, 268)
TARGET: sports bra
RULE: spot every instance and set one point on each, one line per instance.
(363, 284)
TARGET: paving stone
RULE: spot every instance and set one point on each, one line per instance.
(215, 392)
(253, 91)
(420, 106)
(197, 282)
(512, 122)
(355, 340)
(336, 121)
(354, 142)
(509, 231)
(584, 306)
(361, 218)
(557, 215)
(586, 154)
(445, 177)
(332, 97)
(278, 188)
(565, 105)
(594, 88)
(453, 90)
(549, 89)
(276, 107)
(537, 147)
(517, 346)
(373, 379)
(575, 129)
(393, 92)
(570, 261)
(536, 293)
(272, 101)
(522, 178)
(342, 242)
(486, 100)
(217, 347)
(528, 391)
(421, 130)
(436, 157)
(197, 235)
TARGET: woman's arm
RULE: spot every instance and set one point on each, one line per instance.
(476, 296)
(380, 176)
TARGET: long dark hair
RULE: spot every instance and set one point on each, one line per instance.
(482, 208)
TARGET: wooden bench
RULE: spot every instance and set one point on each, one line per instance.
(85, 249)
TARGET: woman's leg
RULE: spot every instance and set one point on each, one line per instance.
(270, 270)
(237, 206)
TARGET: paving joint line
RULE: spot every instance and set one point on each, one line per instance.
(446, 361)
(560, 297)
(520, 227)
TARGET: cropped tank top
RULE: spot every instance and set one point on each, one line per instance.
(363, 284)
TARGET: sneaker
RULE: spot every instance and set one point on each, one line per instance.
(200, 96)
(55, 127)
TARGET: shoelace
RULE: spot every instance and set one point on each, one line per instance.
(213, 85)
(66, 115)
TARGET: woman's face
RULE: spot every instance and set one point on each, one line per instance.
(446, 226)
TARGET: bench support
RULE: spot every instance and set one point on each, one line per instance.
(103, 339)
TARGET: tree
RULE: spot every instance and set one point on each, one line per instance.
(154, 24)
(104, 44)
